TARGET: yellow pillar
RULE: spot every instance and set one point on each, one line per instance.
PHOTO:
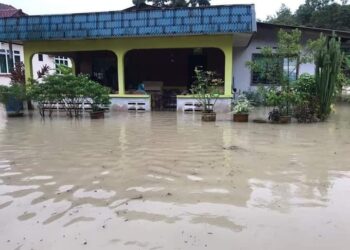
(121, 72)
(228, 70)
(74, 69)
(28, 64)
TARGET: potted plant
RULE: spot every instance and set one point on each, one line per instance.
(280, 100)
(96, 95)
(206, 89)
(12, 97)
(241, 109)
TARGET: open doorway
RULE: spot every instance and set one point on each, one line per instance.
(167, 73)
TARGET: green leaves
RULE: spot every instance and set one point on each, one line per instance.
(15, 91)
(206, 88)
(71, 90)
(242, 105)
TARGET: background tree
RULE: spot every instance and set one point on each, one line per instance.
(159, 3)
(195, 3)
(178, 3)
(283, 16)
(139, 3)
(315, 13)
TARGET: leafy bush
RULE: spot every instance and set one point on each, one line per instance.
(242, 105)
(256, 97)
(73, 91)
(306, 107)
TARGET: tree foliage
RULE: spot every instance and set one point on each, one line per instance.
(315, 13)
(172, 3)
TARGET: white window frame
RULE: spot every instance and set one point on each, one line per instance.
(6, 53)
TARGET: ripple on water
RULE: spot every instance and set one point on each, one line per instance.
(10, 174)
(95, 194)
(38, 178)
(145, 189)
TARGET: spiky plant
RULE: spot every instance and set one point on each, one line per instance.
(328, 61)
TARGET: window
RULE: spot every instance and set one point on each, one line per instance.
(5, 60)
(268, 70)
(290, 68)
(40, 57)
(60, 60)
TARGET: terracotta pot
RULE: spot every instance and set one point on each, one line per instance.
(97, 114)
(240, 117)
(208, 116)
(285, 119)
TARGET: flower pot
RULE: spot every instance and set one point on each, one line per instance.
(240, 117)
(285, 119)
(97, 114)
(208, 116)
(14, 108)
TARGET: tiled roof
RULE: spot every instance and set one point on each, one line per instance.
(6, 6)
(155, 22)
(9, 11)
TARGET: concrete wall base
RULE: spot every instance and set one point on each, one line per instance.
(223, 105)
(130, 104)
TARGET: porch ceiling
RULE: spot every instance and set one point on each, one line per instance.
(230, 19)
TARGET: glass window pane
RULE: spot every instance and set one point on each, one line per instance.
(3, 66)
(17, 59)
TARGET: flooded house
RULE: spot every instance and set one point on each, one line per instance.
(147, 57)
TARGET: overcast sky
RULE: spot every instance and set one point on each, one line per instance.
(34, 7)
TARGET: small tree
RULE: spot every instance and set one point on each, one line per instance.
(279, 67)
(206, 88)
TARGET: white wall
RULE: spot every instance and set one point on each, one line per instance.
(37, 65)
(264, 37)
(5, 78)
(48, 60)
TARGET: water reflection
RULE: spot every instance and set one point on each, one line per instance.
(195, 184)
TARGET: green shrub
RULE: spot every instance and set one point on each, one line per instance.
(306, 107)
(71, 90)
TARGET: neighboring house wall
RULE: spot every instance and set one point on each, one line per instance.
(4, 65)
(40, 60)
(18, 56)
(263, 38)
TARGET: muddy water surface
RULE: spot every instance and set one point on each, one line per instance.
(168, 181)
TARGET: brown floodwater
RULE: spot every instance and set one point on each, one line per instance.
(168, 181)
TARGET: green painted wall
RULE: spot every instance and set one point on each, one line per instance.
(121, 46)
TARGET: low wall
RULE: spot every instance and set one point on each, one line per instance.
(185, 104)
(142, 103)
